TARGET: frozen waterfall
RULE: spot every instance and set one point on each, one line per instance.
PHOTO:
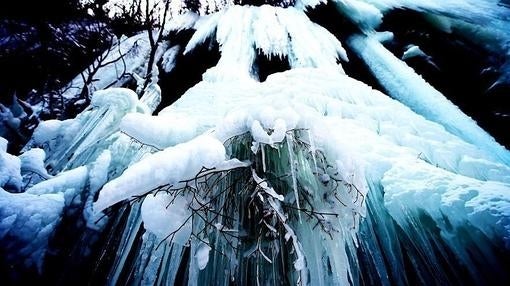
(309, 177)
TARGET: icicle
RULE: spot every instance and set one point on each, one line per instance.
(193, 265)
(290, 149)
(61, 157)
(263, 153)
(170, 264)
(128, 237)
(152, 97)
(300, 262)
(98, 177)
(312, 150)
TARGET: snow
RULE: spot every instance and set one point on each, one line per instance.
(229, 165)
(99, 171)
(311, 45)
(32, 168)
(168, 217)
(159, 131)
(50, 131)
(33, 160)
(69, 183)
(202, 255)
(167, 167)
(384, 37)
(261, 136)
(122, 98)
(27, 220)
(205, 27)
(364, 132)
(208, 93)
(363, 112)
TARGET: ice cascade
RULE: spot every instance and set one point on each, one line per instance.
(310, 177)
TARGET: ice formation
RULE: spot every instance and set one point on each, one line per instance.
(275, 31)
(124, 57)
(408, 87)
(310, 177)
